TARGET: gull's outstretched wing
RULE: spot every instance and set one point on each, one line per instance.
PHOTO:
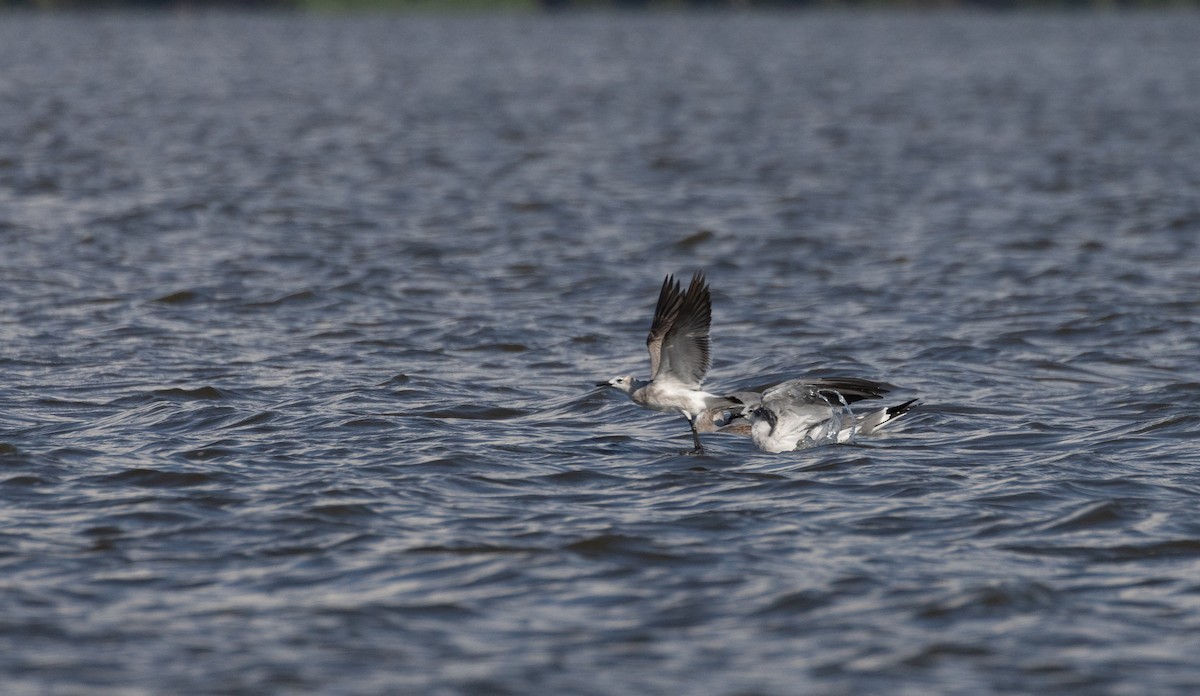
(681, 337)
(669, 300)
(851, 388)
(800, 402)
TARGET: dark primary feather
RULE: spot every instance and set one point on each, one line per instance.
(900, 410)
(685, 352)
(665, 311)
(852, 388)
(872, 421)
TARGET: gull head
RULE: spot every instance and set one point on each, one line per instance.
(625, 383)
(762, 414)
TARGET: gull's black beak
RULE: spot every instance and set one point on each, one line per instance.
(603, 384)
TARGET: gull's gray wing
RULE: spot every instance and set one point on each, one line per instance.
(683, 349)
(669, 300)
(793, 395)
(799, 404)
(851, 388)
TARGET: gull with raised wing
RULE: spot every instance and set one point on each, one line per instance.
(799, 414)
(784, 402)
(679, 356)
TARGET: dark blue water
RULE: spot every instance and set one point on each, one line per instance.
(299, 318)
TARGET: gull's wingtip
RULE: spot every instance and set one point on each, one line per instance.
(901, 409)
(872, 422)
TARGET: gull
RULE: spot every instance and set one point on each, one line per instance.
(799, 414)
(735, 419)
(679, 356)
(730, 420)
(785, 401)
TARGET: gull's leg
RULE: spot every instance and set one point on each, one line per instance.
(695, 437)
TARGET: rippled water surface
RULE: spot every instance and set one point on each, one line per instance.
(300, 318)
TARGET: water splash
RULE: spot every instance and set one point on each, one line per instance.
(842, 426)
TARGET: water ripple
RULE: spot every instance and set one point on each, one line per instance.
(302, 317)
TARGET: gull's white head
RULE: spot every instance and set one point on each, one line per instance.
(625, 384)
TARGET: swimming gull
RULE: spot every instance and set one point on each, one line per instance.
(679, 356)
(734, 419)
(804, 413)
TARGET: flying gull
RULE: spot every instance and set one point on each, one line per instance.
(679, 356)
